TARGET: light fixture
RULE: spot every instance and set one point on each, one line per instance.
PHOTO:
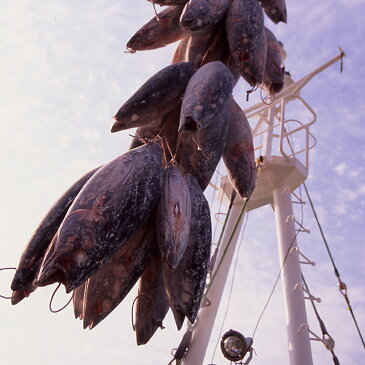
(235, 346)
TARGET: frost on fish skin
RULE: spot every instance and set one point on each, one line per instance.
(156, 97)
(275, 10)
(152, 303)
(159, 31)
(116, 276)
(274, 72)
(32, 257)
(109, 209)
(254, 69)
(203, 14)
(206, 95)
(166, 128)
(173, 217)
(244, 25)
(199, 153)
(238, 155)
(185, 285)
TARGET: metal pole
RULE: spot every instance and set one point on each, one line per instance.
(296, 317)
(269, 133)
(204, 325)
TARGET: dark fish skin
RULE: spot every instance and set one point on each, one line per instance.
(179, 55)
(155, 98)
(114, 203)
(31, 259)
(275, 10)
(254, 69)
(274, 73)
(159, 32)
(244, 26)
(185, 285)
(165, 128)
(168, 2)
(198, 45)
(202, 161)
(203, 14)
(173, 217)
(152, 304)
(78, 300)
(205, 96)
(238, 155)
(117, 275)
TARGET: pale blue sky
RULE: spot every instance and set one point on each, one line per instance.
(64, 74)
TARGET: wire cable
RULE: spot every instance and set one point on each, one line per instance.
(321, 324)
(342, 286)
(231, 289)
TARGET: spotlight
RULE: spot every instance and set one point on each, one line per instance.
(234, 346)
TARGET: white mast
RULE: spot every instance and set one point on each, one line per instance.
(278, 177)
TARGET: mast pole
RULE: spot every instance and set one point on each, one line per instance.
(291, 277)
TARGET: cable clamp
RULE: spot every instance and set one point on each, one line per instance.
(327, 340)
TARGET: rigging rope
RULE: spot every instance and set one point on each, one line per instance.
(342, 286)
(231, 289)
(322, 325)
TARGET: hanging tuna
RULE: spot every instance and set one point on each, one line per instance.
(107, 211)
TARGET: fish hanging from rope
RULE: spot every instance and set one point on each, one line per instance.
(32, 257)
(112, 206)
(161, 30)
(238, 155)
(155, 98)
(151, 303)
(185, 285)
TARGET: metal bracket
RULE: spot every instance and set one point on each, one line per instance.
(327, 340)
(310, 296)
(307, 261)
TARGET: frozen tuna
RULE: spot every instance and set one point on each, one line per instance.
(114, 203)
(199, 153)
(275, 10)
(238, 155)
(205, 97)
(117, 276)
(244, 26)
(156, 97)
(254, 69)
(173, 217)
(179, 55)
(78, 300)
(203, 14)
(274, 72)
(32, 257)
(152, 304)
(159, 31)
(185, 285)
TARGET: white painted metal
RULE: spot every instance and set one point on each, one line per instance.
(298, 337)
(203, 327)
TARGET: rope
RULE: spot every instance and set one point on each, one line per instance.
(321, 323)
(52, 297)
(342, 286)
(229, 241)
(231, 289)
